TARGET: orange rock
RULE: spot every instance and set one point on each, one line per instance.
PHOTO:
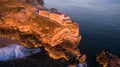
(24, 24)
(106, 59)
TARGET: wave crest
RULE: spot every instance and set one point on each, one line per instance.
(16, 51)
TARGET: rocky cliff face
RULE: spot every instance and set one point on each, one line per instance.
(20, 21)
(107, 59)
(36, 2)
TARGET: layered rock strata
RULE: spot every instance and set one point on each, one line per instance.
(19, 20)
(106, 59)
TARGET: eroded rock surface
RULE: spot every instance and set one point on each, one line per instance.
(106, 59)
(20, 21)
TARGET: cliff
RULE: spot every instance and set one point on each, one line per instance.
(106, 59)
(20, 21)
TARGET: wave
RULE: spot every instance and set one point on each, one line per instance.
(82, 64)
(14, 51)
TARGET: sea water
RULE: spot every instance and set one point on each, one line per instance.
(99, 22)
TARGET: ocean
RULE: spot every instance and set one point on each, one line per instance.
(99, 22)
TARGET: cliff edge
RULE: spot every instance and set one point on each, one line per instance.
(22, 21)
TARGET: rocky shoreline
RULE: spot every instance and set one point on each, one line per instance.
(20, 21)
(107, 59)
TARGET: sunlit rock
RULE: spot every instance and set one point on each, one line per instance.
(106, 59)
(22, 21)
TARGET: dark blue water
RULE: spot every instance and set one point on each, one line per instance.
(99, 22)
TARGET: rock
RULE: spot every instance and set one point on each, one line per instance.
(82, 58)
(72, 65)
(36, 2)
(20, 21)
(3, 0)
(41, 59)
(106, 59)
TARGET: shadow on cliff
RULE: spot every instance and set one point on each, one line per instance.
(41, 59)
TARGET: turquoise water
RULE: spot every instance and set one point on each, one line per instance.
(99, 22)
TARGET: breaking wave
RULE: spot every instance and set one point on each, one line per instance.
(82, 64)
(16, 51)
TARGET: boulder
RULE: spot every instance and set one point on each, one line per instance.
(107, 59)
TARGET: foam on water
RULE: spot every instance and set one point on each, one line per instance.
(16, 51)
(82, 64)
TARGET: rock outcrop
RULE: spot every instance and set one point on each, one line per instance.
(20, 21)
(106, 59)
(36, 2)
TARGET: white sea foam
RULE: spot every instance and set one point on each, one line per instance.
(82, 64)
(16, 51)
